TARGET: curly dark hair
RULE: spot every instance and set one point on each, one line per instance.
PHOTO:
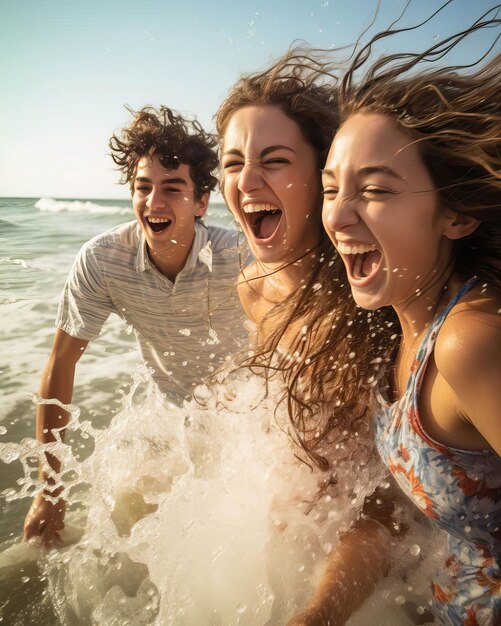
(173, 139)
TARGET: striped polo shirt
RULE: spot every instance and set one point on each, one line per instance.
(184, 329)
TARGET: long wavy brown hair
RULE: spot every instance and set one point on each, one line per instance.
(321, 309)
(454, 114)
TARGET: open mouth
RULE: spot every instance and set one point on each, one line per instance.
(263, 219)
(157, 224)
(362, 261)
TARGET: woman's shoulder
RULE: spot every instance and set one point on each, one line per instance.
(468, 358)
(469, 342)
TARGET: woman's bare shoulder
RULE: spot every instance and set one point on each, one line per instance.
(471, 333)
(468, 357)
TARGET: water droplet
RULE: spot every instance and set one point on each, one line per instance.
(415, 550)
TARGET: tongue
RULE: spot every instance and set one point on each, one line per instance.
(268, 225)
(370, 262)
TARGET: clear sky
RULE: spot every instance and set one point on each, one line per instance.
(68, 67)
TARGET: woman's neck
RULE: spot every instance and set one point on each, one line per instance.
(417, 315)
(286, 278)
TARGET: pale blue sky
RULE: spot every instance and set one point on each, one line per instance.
(67, 67)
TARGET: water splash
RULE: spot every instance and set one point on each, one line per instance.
(190, 516)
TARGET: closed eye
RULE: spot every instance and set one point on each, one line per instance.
(373, 191)
(276, 161)
(329, 193)
(232, 164)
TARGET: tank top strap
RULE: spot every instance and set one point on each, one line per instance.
(428, 344)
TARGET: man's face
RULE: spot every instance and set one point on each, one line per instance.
(165, 205)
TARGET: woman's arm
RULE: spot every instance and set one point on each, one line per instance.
(356, 565)
(353, 571)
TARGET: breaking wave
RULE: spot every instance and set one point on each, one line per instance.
(80, 206)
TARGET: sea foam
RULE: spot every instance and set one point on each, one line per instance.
(77, 206)
(201, 515)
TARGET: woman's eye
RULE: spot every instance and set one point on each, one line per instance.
(374, 192)
(232, 165)
(142, 189)
(276, 161)
(330, 193)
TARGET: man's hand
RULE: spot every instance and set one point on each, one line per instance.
(45, 521)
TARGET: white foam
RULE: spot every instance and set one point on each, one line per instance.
(5, 260)
(196, 516)
(77, 206)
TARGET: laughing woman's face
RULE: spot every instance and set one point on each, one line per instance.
(382, 213)
(272, 183)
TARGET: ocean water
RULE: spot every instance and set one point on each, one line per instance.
(39, 239)
(194, 516)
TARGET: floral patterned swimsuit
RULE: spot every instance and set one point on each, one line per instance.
(459, 489)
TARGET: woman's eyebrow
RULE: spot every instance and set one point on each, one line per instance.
(274, 148)
(264, 152)
(235, 152)
(371, 169)
(379, 169)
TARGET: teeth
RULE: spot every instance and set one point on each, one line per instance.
(361, 248)
(259, 206)
(158, 220)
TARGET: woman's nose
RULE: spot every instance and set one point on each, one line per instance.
(250, 178)
(339, 213)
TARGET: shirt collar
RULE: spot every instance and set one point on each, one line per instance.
(201, 239)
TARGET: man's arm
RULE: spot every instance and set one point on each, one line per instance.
(44, 518)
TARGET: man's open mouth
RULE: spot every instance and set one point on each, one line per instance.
(158, 224)
(362, 260)
(263, 219)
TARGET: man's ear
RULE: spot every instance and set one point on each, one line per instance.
(459, 225)
(202, 204)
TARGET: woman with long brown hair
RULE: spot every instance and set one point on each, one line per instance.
(412, 202)
(275, 129)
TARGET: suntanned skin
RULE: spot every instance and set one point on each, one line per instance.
(460, 396)
(350, 576)
(261, 287)
(45, 519)
(364, 204)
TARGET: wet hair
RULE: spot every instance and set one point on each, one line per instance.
(173, 139)
(298, 84)
(453, 113)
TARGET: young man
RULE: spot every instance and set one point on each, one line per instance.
(166, 274)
